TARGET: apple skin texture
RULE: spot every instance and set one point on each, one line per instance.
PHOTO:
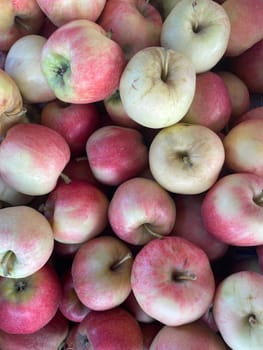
(81, 64)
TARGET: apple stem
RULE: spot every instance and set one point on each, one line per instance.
(151, 232)
(7, 263)
(109, 34)
(252, 320)
(22, 24)
(120, 262)
(79, 159)
(65, 178)
(186, 277)
(144, 7)
(20, 113)
(165, 65)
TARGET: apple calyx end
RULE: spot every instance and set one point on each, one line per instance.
(7, 263)
(252, 320)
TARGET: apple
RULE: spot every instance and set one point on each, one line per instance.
(18, 18)
(189, 225)
(141, 210)
(124, 18)
(200, 30)
(53, 335)
(232, 209)
(186, 158)
(244, 146)
(116, 154)
(110, 329)
(237, 310)
(11, 103)
(75, 122)
(101, 270)
(81, 63)
(211, 105)
(247, 66)
(167, 6)
(63, 11)
(131, 304)
(23, 65)
(29, 303)
(172, 280)
(40, 158)
(77, 211)
(70, 306)
(157, 87)
(117, 113)
(192, 336)
(238, 93)
(245, 18)
(26, 241)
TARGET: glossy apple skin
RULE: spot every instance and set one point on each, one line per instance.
(139, 209)
(70, 306)
(238, 303)
(245, 18)
(40, 158)
(244, 146)
(116, 154)
(53, 335)
(91, 63)
(211, 105)
(77, 211)
(75, 122)
(27, 233)
(114, 329)
(157, 286)
(230, 210)
(63, 11)
(29, 303)
(189, 225)
(125, 18)
(18, 18)
(101, 271)
(193, 336)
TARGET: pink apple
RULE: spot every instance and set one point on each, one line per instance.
(111, 329)
(116, 154)
(172, 280)
(53, 335)
(81, 63)
(26, 241)
(141, 210)
(40, 158)
(189, 225)
(23, 65)
(192, 336)
(211, 105)
(18, 18)
(101, 271)
(77, 211)
(238, 310)
(253, 112)
(232, 209)
(29, 303)
(244, 146)
(75, 122)
(70, 306)
(124, 18)
(11, 106)
(63, 11)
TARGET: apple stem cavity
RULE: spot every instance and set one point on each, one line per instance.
(151, 232)
(259, 199)
(120, 262)
(144, 7)
(184, 276)
(7, 263)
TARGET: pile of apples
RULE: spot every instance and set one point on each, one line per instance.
(131, 174)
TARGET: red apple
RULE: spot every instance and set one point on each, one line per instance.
(77, 211)
(75, 122)
(172, 280)
(29, 303)
(101, 271)
(81, 63)
(116, 154)
(141, 210)
(26, 241)
(40, 158)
